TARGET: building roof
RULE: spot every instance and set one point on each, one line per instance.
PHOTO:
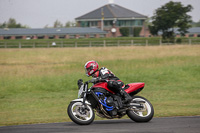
(112, 11)
(193, 30)
(51, 31)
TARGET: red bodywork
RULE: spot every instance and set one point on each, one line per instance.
(132, 86)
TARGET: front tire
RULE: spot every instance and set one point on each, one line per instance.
(79, 114)
(144, 114)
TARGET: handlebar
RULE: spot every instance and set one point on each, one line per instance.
(96, 80)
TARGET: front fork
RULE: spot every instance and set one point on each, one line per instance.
(85, 94)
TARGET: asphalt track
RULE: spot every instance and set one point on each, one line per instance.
(156, 125)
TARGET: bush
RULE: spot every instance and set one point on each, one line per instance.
(179, 40)
(124, 31)
(136, 31)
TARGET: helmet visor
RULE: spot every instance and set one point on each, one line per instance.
(88, 71)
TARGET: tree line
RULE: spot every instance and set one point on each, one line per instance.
(12, 23)
(58, 24)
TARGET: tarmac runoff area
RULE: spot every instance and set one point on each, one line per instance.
(187, 124)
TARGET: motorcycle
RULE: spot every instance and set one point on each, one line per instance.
(108, 104)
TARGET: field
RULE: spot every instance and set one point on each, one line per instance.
(36, 85)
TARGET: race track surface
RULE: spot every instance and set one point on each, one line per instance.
(156, 125)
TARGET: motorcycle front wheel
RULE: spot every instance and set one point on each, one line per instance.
(143, 114)
(80, 114)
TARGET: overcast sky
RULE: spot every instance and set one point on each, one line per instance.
(39, 13)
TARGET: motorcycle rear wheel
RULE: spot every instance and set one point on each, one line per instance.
(144, 114)
(79, 114)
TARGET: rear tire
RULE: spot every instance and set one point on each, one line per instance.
(79, 115)
(141, 115)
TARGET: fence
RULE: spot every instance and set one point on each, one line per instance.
(94, 43)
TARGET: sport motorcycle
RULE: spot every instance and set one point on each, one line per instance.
(106, 104)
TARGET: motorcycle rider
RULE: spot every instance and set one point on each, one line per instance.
(103, 74)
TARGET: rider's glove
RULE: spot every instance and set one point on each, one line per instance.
(95, 80)
(80, 82)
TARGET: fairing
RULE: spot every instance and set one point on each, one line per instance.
(102, 85)
(132, 86)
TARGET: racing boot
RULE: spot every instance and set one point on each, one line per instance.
(126, 96)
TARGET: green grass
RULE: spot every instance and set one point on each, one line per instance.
(36, 85)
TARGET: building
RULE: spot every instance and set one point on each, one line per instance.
(105, 21)
(111, 18)
(51, 33)
(192, 32)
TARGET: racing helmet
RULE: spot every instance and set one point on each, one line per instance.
(91, 67)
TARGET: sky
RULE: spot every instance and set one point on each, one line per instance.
(41, 13)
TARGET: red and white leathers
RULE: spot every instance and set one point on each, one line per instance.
(114, 83)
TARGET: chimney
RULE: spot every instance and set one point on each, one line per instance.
(110, 1)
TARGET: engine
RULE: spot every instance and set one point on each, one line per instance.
(109, 103)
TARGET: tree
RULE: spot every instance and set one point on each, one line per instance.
(46, 26)
(196, 24)
(12, 24)
(70, 24)
(3, 25)
(171, 15)
(57, 24)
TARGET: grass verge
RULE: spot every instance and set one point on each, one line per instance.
(37, 85)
